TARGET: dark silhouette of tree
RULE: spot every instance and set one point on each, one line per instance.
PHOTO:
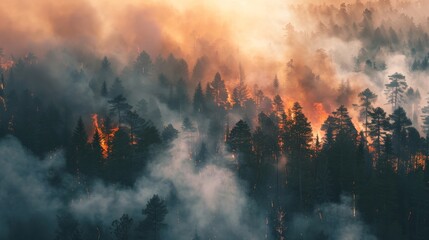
(105, 64)
(121, 228)
(413, 104)
(378, 128)
(91, 165)
(328, 127)
(198, 100)
(218, 91)
(120, 165)
(341, 152)
(200, 68)
(395, 89)
(135, 122)
(279, 108)
(240, 143)
(187, 125)
(78, 148)
(169, 134)
(240, 138)
(399, 125)
(143, 65)
(148, 136)
(155, 212)
(366, 99)
(117, 88)
(97, 154)
(301, 136)
(142, 108)
(104, 92)
(103, 77)
(240, 94)
(118, 106)
(344, 93)
(202, 156)
(343, 122)
(276, 84)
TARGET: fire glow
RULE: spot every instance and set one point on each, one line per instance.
(98, 125)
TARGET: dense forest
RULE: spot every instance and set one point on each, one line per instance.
(158, 146)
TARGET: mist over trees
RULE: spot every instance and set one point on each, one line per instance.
(162, 147)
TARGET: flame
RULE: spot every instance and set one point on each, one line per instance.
(318, 116)
(104, 137)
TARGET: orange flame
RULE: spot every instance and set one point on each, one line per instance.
(318, 116)
(104, 137)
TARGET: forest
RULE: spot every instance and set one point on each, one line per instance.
(178, 144)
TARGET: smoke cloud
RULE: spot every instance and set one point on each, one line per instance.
(210, 201)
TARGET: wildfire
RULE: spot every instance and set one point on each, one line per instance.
(318, 116)
(104, 137)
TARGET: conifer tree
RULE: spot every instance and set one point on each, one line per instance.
(395, 89)
(121, 228)
(155, 211)
(198, 100)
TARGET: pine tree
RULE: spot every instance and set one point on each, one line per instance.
(119, 105)
(117, 88)
(143, 64)
(301, 135)
(202, 156)
(219, 91)
(97, 151)
(240, 93)
(187, 125)
(276, 84)
(279, 108)
(142, 108)
(77, 152)
(155, 211)
(121, 228)
(240, 138)
(366, 99)
(343, 122)
(104, 92)
(399, 124)
(92, 164)
(328, 127)
(198, 100)
(120, 164)
(169, 134)
(148, 136)
(395, 89)
(378, 127)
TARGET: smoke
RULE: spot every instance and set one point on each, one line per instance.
(331, 221)
(210, 201)
(330, 43)
(27, 200)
